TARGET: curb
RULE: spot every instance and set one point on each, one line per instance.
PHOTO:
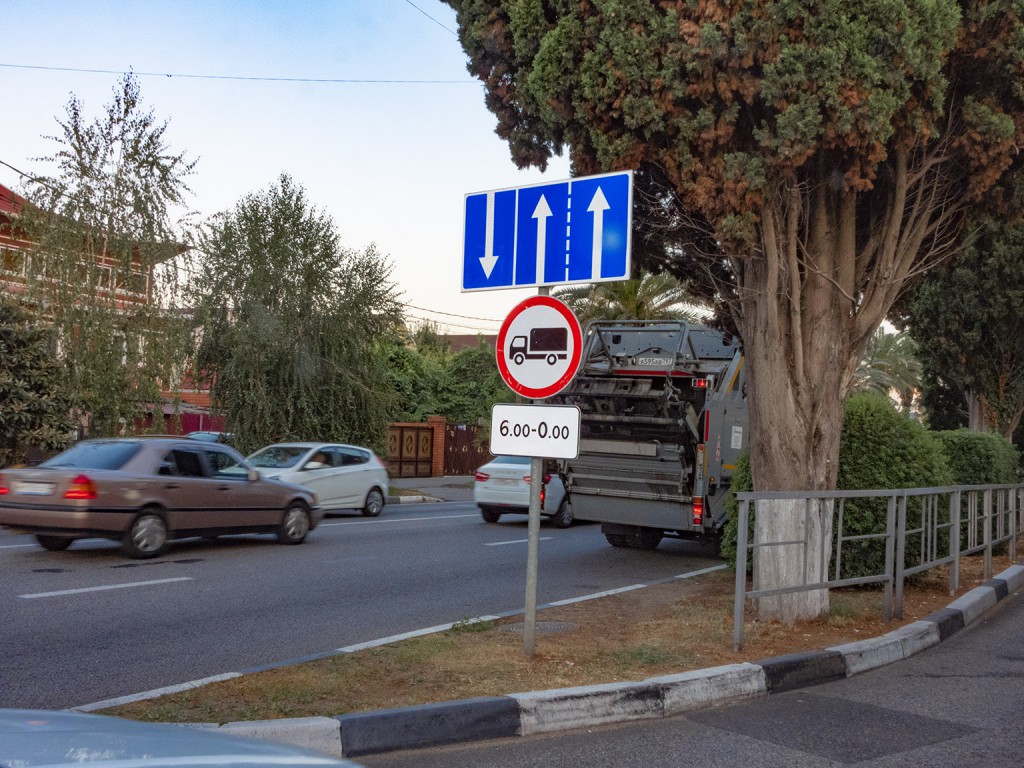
(411, 499)
(523, 714)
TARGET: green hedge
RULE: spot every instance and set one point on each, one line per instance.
(880, 448)
(980, 458)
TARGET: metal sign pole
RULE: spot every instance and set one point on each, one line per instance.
(530, 612)
(533, 540)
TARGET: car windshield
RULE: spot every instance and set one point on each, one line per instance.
(95, 455)
(278, 456)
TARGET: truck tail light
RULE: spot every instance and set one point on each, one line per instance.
(482, 477)
(81, 488)
(699, 383)
(698, 511)
(3, 487)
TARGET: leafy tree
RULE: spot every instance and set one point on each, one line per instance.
(290, 323)
(889, 365)
(105, 237)
(415, 375)
(36, 409)
(472, 385)
(798, 163)
(651, 297)
(968, 319)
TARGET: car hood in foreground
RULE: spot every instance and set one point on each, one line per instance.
(38, 739)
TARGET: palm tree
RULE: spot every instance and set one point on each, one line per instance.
(890, 366)
(652, 297)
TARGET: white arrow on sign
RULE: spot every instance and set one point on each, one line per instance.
(541, 214)
(488, 260)
(597, 207)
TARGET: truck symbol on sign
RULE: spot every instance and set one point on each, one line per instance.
(549, 344)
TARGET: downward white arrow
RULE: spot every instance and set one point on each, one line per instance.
(541, 214)
(597, 206)
(488, 260)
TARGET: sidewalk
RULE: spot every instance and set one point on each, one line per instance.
(450, 488)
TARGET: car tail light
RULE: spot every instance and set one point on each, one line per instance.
(698, 511)
(3, 488)
(81, 488)
(380, 461)
(481, 477)
(543, 495)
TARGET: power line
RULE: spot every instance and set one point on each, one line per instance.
(475, 328)
(450, 314)
(442, 26)
(324, 80)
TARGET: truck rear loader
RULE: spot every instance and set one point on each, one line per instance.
(663, 420)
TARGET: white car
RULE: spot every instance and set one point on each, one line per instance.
(342, 476)
(503, 486)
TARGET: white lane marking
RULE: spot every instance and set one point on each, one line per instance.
(379, 642)
(131, 699)
(17, 546)
(402, 520)
(515, 541)
(104, 587)
(222, 758)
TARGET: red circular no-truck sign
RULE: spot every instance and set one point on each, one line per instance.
(539, 347)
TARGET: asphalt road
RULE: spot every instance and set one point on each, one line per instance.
(959, 703)
(88, 624)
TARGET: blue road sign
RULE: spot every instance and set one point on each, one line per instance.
(574, 231)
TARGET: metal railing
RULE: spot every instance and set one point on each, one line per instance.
(921, 529)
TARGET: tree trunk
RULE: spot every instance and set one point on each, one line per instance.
(797, 387)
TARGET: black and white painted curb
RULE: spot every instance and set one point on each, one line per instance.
(418, 499)
(522, 714)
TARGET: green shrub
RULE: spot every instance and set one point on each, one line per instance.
(980, 458)
(880, 448)
(742, 480)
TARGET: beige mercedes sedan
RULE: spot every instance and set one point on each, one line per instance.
(146, 491)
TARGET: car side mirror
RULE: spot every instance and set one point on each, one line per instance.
(253, 475)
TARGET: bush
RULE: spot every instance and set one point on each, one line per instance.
(880, 448)
(742, 480)
(980, 458)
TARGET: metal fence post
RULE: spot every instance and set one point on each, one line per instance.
(739, 598)
(954, 541)
(890, 546)
(901, 549)
(988, 533)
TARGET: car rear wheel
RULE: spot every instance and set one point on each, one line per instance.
(54, 543)
(489, 515)
(147, 536)
(294, 524)
(374, 504)
(563, 517)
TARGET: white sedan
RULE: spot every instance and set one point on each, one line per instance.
(342, 476)
(502, 486)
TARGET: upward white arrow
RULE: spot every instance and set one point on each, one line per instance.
(488, 260)
(597, 207)
(541, 214)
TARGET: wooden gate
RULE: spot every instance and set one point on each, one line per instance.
(463, 452)
(410, 450)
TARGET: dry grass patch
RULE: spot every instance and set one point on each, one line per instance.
(658, 630)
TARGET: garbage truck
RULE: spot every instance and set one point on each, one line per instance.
(663, 420)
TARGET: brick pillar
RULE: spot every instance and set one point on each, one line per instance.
(439, 425)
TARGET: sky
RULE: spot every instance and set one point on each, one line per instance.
(390, 162)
